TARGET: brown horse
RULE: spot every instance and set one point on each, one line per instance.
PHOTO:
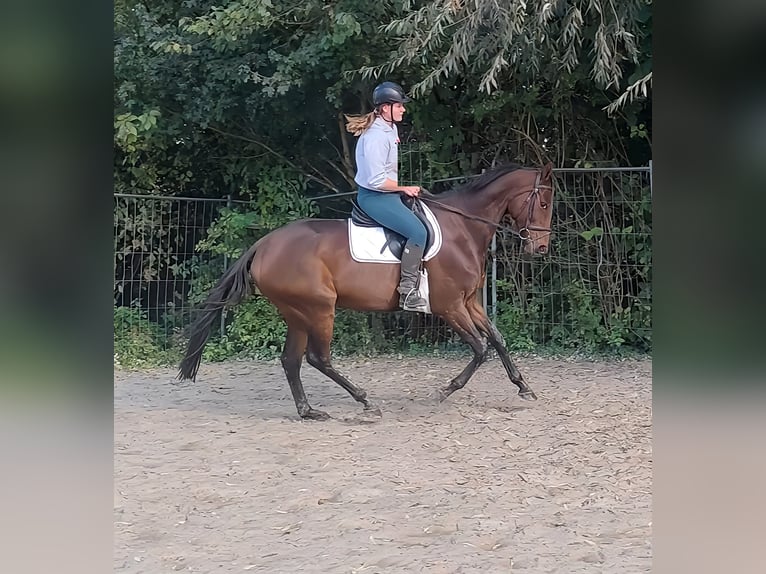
(305, 268)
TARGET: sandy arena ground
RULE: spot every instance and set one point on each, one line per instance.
(222, 476)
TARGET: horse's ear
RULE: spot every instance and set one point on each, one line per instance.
(546, 171)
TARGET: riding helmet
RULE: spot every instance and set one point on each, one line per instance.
(389, 93)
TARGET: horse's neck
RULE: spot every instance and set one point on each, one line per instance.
(487, 209)
(489, 203)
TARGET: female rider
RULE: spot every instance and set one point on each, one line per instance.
(379, 190)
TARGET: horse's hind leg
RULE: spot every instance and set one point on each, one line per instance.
(318, 356)
(495, 339)
(292, 357)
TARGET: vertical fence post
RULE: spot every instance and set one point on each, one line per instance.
(494, 277)
(225, 267)
(484, 300)
(650, 179)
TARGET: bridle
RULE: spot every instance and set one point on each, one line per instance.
(533, 195)
(522, 233)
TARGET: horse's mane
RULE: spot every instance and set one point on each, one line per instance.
(480, 182)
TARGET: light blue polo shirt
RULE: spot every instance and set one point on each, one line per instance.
(376, 155)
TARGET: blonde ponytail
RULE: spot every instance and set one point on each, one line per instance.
(357, 125)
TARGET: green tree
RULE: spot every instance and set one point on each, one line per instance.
(566, 80)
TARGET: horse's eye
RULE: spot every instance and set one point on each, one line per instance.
(544, 205)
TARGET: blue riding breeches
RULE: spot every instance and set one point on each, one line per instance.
(386, 208)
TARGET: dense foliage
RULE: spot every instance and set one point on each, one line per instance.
(226, 100)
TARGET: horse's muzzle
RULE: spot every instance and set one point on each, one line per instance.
(542, 250)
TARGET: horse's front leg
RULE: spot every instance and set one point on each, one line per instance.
(460, 320)
(495, 339)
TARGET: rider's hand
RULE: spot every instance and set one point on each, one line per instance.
(411, 190)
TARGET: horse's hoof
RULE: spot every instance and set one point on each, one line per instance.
(315, 415)
(528, 395)
(373, 410)
(442, 394)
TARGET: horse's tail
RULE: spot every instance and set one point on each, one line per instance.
(230, 290)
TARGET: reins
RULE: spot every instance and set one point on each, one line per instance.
(534, 192)
(446, 207)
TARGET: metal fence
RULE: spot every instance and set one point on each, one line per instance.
(156, 263)
(594, 287)
(595, 284)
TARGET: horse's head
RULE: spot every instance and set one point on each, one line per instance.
(532, 210)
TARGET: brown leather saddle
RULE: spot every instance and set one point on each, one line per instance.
(394, 241)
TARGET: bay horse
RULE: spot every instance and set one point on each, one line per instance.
(306, 270)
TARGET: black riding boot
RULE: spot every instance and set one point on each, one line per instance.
(409, 297)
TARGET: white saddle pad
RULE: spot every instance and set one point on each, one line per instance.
(424, 289)
(367, 242)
